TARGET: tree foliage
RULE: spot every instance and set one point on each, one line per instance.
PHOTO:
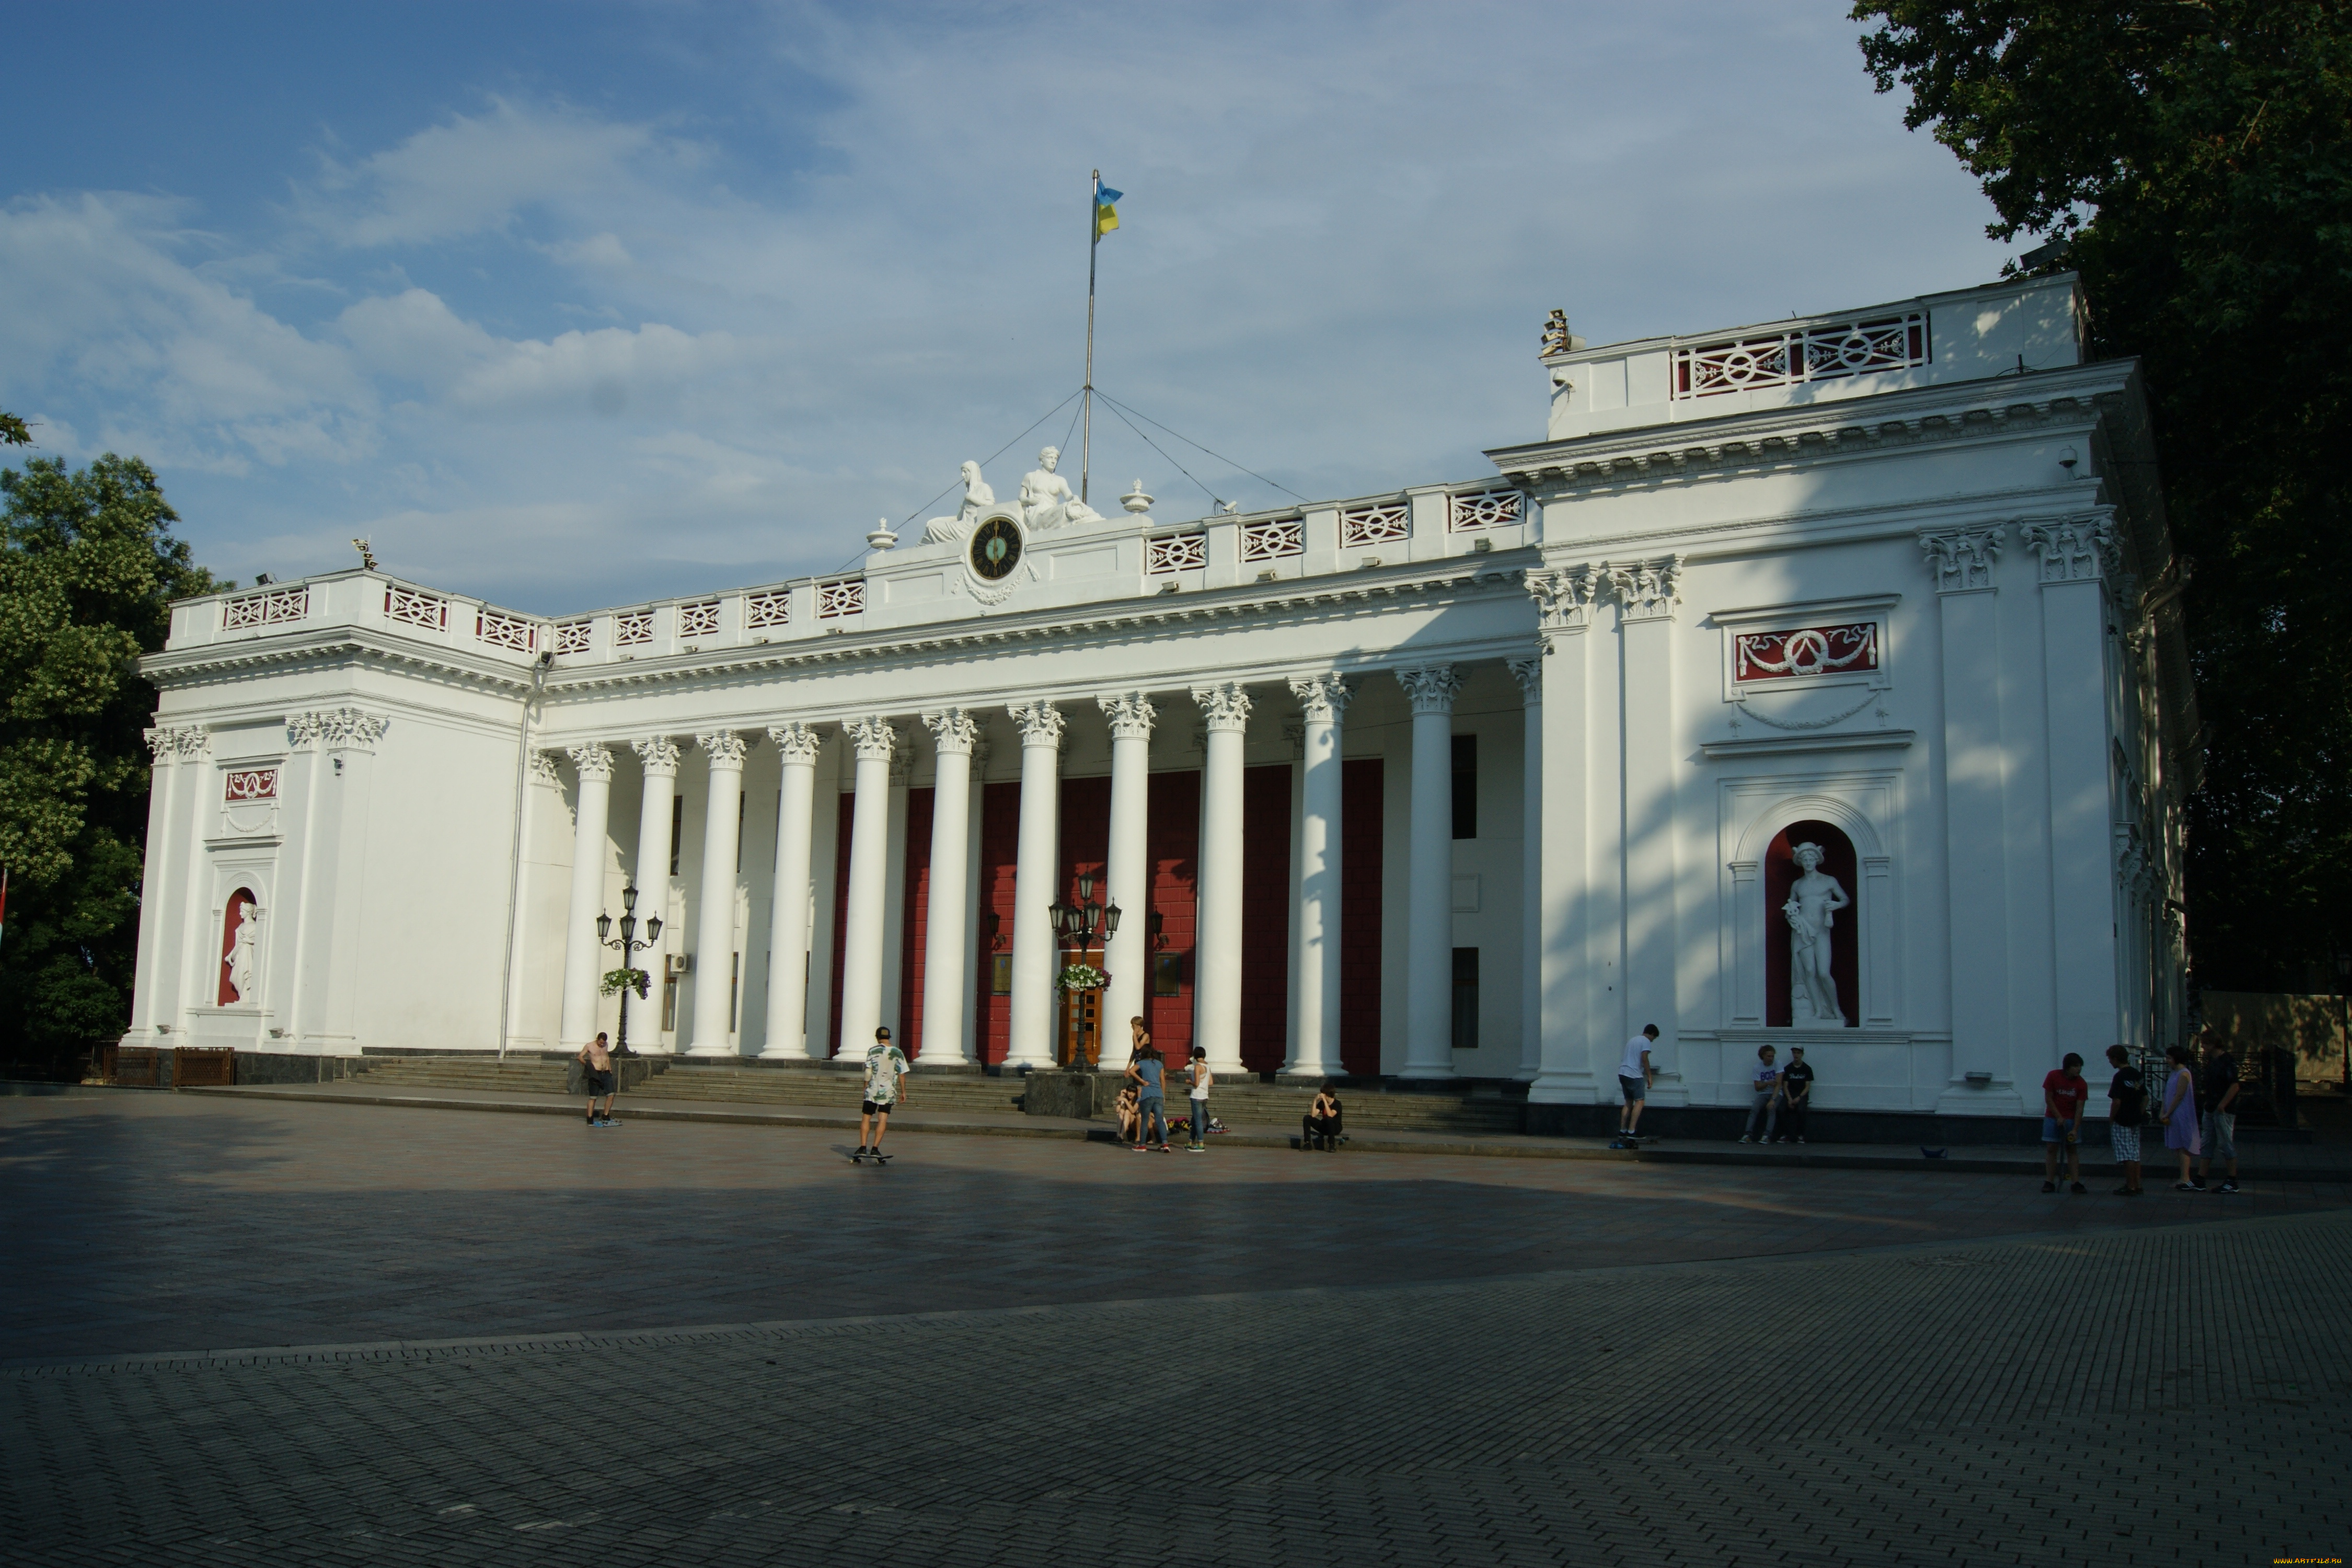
(2196, 160)
(87, 566)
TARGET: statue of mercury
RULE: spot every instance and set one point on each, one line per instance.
(1046, 498)
(1814, 904)
(243, 953)
(977, 498)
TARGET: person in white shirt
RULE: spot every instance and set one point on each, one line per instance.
(885, 1090)
(1634, 1076)
(1764, 1103)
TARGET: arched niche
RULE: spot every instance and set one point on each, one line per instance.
(1787, 998)
(234, 920)
(1763, 830)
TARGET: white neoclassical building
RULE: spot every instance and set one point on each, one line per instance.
(1468, 781)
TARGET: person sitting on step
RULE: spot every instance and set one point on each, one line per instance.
(1321, 1122)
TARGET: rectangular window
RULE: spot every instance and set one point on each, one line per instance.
(669, 1004)
(742, 800)
(1168, 974)
(677, 829)
(1465, 998)
(1465, 786)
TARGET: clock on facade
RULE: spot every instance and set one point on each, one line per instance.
(995, 548)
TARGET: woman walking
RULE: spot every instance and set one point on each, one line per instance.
(2181, 1114)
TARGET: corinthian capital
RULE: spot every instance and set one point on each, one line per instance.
(659, 754)
(593, 761)
(725, 748)
(952, 731)
(2074, 549)
(1529, 673)
(1648, 589)
(1040, 722)
(795, 743)
(542, 770)
(1430, 689)
(1131, 715)
(1225, 705)
(876, 738)
(1962, 559)
(1563, 597)
(1323, 698)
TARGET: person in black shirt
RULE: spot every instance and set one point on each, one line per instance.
(1797, 1095)
(2219, 1094)
(2127, 1114)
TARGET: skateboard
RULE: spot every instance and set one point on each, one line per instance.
(877, 1159)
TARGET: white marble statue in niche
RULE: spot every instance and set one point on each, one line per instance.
(1046, 498)
(245, 952)
(977, 498)
(1813, 903)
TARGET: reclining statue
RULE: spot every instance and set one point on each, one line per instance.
(977, 498)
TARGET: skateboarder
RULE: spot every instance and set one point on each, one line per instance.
(885, 1085)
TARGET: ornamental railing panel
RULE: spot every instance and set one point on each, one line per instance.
(252, 784)
(773, 608)
(698, 620)
(632, 628)
(412, 609)
(277, 607)
(844, 597)
(1802, 354)
(1485, 509)
(506, 631)
(575, 637)
(1273, 540)
(1175, 553)
(1382, 525)
(1759, 656)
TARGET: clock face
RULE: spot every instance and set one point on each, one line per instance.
(995, 549)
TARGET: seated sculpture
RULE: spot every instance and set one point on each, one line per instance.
(977, 498)
(1046, 498)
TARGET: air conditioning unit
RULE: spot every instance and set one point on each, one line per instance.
(676, 964)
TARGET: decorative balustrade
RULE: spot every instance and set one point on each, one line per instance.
(1384, 523)
(1175, 553)
(698, 620)
(773, 609)
(846, 597)
(632, 628)
(406, 605)
(277, 607)
(506, 631)
(1273, 540)
(1485, 509)
(1802, 354)
(575, 637)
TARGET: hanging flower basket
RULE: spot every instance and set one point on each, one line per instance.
(1082, 977)
(614, 979)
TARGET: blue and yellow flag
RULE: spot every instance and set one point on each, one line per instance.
(1106, 209)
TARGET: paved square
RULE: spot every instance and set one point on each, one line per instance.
(698, 1343)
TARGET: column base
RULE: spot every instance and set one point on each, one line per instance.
(1425, 1074)
(706, 1052)
(929, 1063)
(1564, 1089)
(784, 1054)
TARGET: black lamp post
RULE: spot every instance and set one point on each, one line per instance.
(629, 945)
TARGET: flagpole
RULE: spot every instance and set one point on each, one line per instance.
(1094, 243)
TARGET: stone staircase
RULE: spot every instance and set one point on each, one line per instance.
(1248, 1104)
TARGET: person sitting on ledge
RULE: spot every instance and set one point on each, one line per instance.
(1322, 1120)
(1129, 1116)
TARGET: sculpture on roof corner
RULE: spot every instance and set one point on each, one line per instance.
(1557, 338)
(977, 498)
(1046, 498)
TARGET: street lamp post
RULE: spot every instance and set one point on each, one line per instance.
(1080, 925)
(629, 945)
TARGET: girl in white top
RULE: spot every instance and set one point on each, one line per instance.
(1202, 1078)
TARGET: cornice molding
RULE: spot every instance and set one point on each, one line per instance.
(329, 646)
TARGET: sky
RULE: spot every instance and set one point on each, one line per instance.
(572, 305)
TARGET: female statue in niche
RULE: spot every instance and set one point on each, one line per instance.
(1811, 909)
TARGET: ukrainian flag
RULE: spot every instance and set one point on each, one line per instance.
(1106, 211)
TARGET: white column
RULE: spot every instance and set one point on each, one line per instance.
(869, 861)
(1529, 675)
(1314, 1049)
(1036, 883)
(583, 954)
(947, 939)
(1127, 874)
(715, 963)
(788, 924)
(1577, 1058)
(1217, 950)
(1429, 900)
(148, 988)
(650, 872)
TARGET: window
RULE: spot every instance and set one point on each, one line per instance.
(1466, 791)
(669, 1002)
(1168, 974)
(743, 802)
(677, 829)
(1465, 998)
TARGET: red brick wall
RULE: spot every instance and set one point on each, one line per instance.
(1265, 917)
(915, 924)
(1361, 826)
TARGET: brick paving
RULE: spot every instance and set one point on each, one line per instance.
(989, 1352)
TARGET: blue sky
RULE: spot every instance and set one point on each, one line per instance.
(580, 304)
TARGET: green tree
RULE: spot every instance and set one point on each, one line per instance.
(2193, 162)
(87, 566)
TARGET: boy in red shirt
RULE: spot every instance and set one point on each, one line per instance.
(2063, 1093)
